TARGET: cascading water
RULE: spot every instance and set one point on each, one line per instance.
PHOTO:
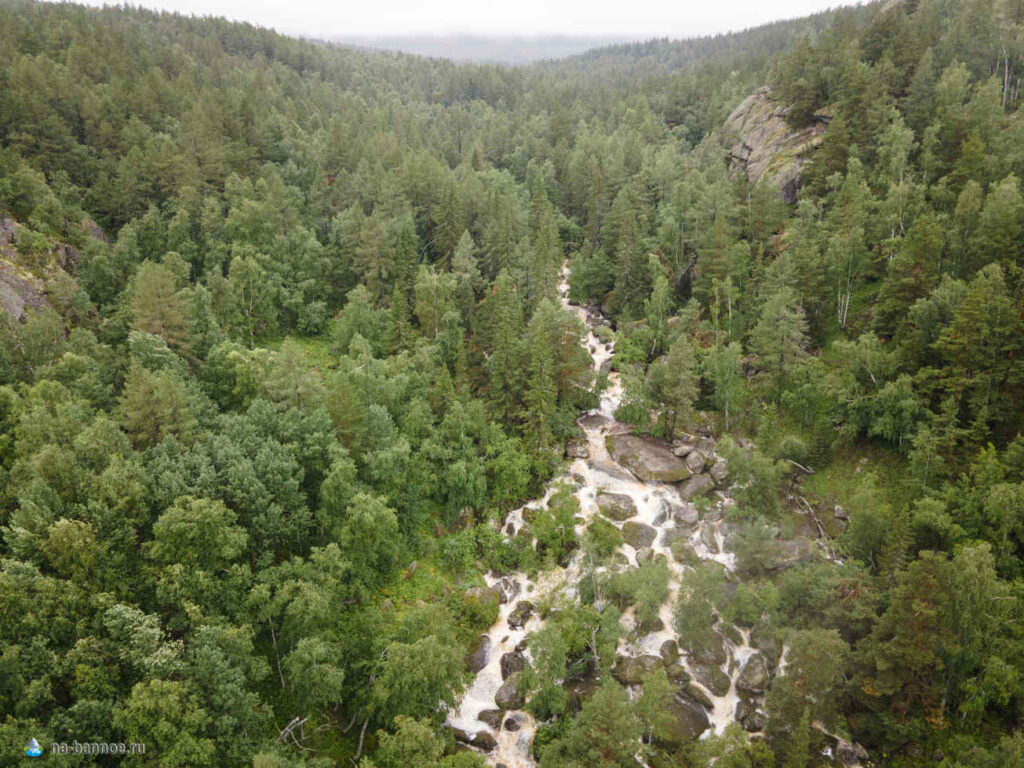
(598, 473)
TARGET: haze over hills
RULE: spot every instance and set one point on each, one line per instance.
(504, 49)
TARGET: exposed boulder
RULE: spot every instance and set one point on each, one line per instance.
(477, 659)
(513, 722)
(577, 449)
(593, 421)
(695, 487)
(511, 663)
(719, 471)
(481, 739)
(707, 538)
(631, 670)
(688, 722)
(492, 717)
(669, 652)
(638, 535)
(520, 614)
(785, 553)
(753, 678)
(616, 506)
(711, 677)
(508, 695)
(683, 552)
(507, 589)
(649, 460)
(694, 462)
(849, 753)
(710, 652)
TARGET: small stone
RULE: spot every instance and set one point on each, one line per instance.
(840, 513)
(512, 723)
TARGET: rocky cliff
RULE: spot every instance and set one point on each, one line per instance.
(767, 146)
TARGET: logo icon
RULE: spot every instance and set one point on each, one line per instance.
(33, 749)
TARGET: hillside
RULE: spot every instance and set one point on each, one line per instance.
(660, 404)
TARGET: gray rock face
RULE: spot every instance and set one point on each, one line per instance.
(719, 471)
(638, 535)
(512, 663)
(630, 670)
(616, 506)
(768, 644)
(689, 721)
(695, 487)
(649, 460)
(711, 677)
(482, 739)
(520, 614)
(508, 695)
(477, 659)
(753, 678)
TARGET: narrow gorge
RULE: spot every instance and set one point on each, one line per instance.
(669, 503)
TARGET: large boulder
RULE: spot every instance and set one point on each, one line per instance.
(638, 535)
(753, 678)
(683, 552)
(482, 739)
(520, 614)
(577, 449)
(511, 663)
(649, 460)
(508, 695)
(491, 716)
(695, 487)
(719, 471)
(631, 670)
(711, 677)
(785, 553)
(688, 722)
(617, 506)
(477, 658)
(695, 461)
(709, 651)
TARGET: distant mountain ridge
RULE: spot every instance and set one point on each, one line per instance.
(502, 49)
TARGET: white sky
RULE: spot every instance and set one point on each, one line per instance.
(641, 19)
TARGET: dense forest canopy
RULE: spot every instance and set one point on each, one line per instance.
(281, 345)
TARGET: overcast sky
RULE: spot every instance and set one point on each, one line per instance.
(640, 19)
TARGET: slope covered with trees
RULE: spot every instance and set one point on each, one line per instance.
(282, 345)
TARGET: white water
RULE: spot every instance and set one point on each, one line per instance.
(598, 473)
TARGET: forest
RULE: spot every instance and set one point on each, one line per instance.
(285, 349)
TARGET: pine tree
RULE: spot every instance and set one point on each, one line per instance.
(504, 363)
(157, 307)
(780, 340)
